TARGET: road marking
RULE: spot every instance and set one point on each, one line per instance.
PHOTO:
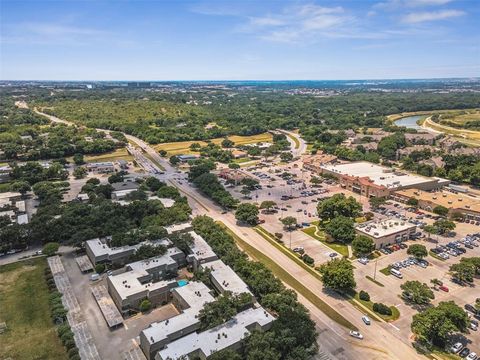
(125, 326)
(396, 328)
(398, 305)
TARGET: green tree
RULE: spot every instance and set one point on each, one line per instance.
(78, 159)
(174, 160)
(412, 202)
(100, 268)
(417, 250)
(444, 225)
(376, 202)
(233, 166)
(247, 213)
(21, 186)
(337, 274)
(362, 245)
(289, 222)
(338, 205)
(341, 229)
(440, 210)
(226, 143)
(417, 292)
(79, 172)
(267, 205)
(145, 305)
(437, 324)
(286, 156)
(153, 183)
(50, 248)
(464, 271)
(162, 153)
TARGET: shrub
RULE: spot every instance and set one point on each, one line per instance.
(62, 329)
(365, 296)
(66, 336)
(70, 344)
(278, 235)
(72, 352)
(100, 268)
(50, 248)
(382, 309)
(145, 305)
(75, 357)
(308, 260)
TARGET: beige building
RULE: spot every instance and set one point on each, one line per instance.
(386, 232)
(467, 206)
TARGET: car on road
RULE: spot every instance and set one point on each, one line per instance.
(455, 348)
(366, 320)
(356, 334)
(363, 261)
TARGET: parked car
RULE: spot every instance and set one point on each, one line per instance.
(472, 356)
(298, 249)
(455, 348)
(464, 353)
(444, 288)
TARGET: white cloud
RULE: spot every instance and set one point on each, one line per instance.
(298, 23)
(418, 17)
(391, 5)
(427, 2)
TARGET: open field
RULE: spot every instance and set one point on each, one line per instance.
(340, 248)
(110, 156)
(24, 307)
(183, 147)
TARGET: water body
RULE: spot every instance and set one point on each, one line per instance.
(409, 122)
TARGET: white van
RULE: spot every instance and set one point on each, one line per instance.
(396, 273)
(94, 277)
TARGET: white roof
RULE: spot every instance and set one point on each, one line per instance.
(218, 338)
(195, 295)
(20, 205)
(22, 219)
(200, 249)
(9, 194)
(384, 228)
(380, 175)
(178, 227)
(226, 278)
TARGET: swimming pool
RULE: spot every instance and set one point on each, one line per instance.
(182, 283)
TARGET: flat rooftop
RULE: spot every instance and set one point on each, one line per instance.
(383, 228)
(226, 278)
(178, 227)
(195, 295)
(218, 338)
(200, 249)
(380, 175)
(99, 247)
(444, 198)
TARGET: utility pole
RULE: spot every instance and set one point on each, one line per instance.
(375, 271)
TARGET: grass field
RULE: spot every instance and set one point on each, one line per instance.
(369, 304)
(110, 156)
(291, 281)
(183, 147)
(25, 309)
(340, 248)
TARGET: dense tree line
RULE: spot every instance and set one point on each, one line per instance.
(293, 333)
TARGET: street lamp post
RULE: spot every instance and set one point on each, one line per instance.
(375, 270)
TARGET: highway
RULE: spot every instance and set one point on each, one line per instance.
(382, 340)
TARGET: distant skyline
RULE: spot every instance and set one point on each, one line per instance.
(238, 40)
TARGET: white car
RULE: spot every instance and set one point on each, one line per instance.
(456, 347)
(472, 356)
(363, 261)
(473, 326)
(366, 320)
(356, 334)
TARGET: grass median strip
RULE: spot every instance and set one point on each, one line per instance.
(432, 254)
(374, 281)
(290, 280)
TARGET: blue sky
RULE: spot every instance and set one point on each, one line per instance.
(238, 40)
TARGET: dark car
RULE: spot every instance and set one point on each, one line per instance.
(464, 352)
(470, 308)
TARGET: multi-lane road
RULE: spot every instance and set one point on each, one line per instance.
(382, 340)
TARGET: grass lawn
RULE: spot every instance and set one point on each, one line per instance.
(369, 304)
(119, 154)
(24, 307)
(291, 281)
(242, 160)
(183, 147)
(5, 187)
(340, 248)
(386, 271)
